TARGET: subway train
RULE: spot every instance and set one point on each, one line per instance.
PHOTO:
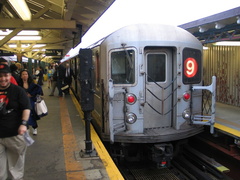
(146, 81)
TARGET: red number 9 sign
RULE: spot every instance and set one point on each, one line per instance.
(190, 67)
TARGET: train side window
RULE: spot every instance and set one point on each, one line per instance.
(156, 67)
(123, 67)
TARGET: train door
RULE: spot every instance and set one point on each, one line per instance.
(158, 88)
(123, 78)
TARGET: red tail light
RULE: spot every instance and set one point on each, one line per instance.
(186, 96)
(131, 98)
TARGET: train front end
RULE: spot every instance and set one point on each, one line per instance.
(149, 73)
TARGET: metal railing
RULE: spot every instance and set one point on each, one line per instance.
(205, 119)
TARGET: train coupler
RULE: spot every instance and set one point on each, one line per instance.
(162, 154)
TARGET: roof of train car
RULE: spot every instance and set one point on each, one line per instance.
(135, 33)
(61, 24)
(151, 33)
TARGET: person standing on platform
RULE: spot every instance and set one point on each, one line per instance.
(33, 90)
(19, 67)
(60, 79)
(14, 113)
(54, 81)
(12, 79)
(39, 73)
(68, 78)
(14, 72)
(50, 72)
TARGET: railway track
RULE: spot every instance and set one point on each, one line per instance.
(189, 165)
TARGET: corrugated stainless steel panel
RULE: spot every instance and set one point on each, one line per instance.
(223, 62)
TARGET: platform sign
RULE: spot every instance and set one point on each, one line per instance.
(192, 66)
(54, 52)
(6, 53)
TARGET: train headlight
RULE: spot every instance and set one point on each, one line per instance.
(131, 118)
(186, 114)
(186, 96)
(131, 98)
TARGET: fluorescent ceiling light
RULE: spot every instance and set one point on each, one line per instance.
(24, 32)
(22, 9)
(238, 20)
(227, 43)
(28, 33)
(39, 45)
(39, 50)
(26, 38)
(26, 45)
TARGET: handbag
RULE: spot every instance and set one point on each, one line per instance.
(40, 107)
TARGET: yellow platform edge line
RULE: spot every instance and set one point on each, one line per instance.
(227, 129)
(111, 168)
(74, 170)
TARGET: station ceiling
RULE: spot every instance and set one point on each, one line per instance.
(61, 24)
(224, 26)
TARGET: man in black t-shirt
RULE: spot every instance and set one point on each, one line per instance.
(14, 113)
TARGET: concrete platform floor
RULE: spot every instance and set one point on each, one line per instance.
(55, 152)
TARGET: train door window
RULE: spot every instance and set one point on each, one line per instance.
(156, 67)
(123, 67)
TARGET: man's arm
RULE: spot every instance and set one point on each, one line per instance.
(25, 116)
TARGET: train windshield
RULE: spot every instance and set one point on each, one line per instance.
(123, 67)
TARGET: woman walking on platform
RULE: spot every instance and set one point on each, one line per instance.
(33, 90)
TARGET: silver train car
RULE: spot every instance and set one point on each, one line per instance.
(148, 86)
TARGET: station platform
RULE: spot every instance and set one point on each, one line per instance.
(228, 119)
(56, 152)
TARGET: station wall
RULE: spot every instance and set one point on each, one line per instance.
(224, 63)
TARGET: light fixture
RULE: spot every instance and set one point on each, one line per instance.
(4, 32)
(28, 33)
(202, 29)
(238, 20)
(39, 50)
(24, 38)
(219, 25)
(24, 32)
(22, 9)
(39, 45)
(227, 43)
(26, 45)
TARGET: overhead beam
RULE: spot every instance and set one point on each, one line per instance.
(8, 37)
(42, 11)
(54, 40)
(37, 24)
(53, 7)
(70, 4)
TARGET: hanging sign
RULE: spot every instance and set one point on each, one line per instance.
(6, 53)
(54, 52)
